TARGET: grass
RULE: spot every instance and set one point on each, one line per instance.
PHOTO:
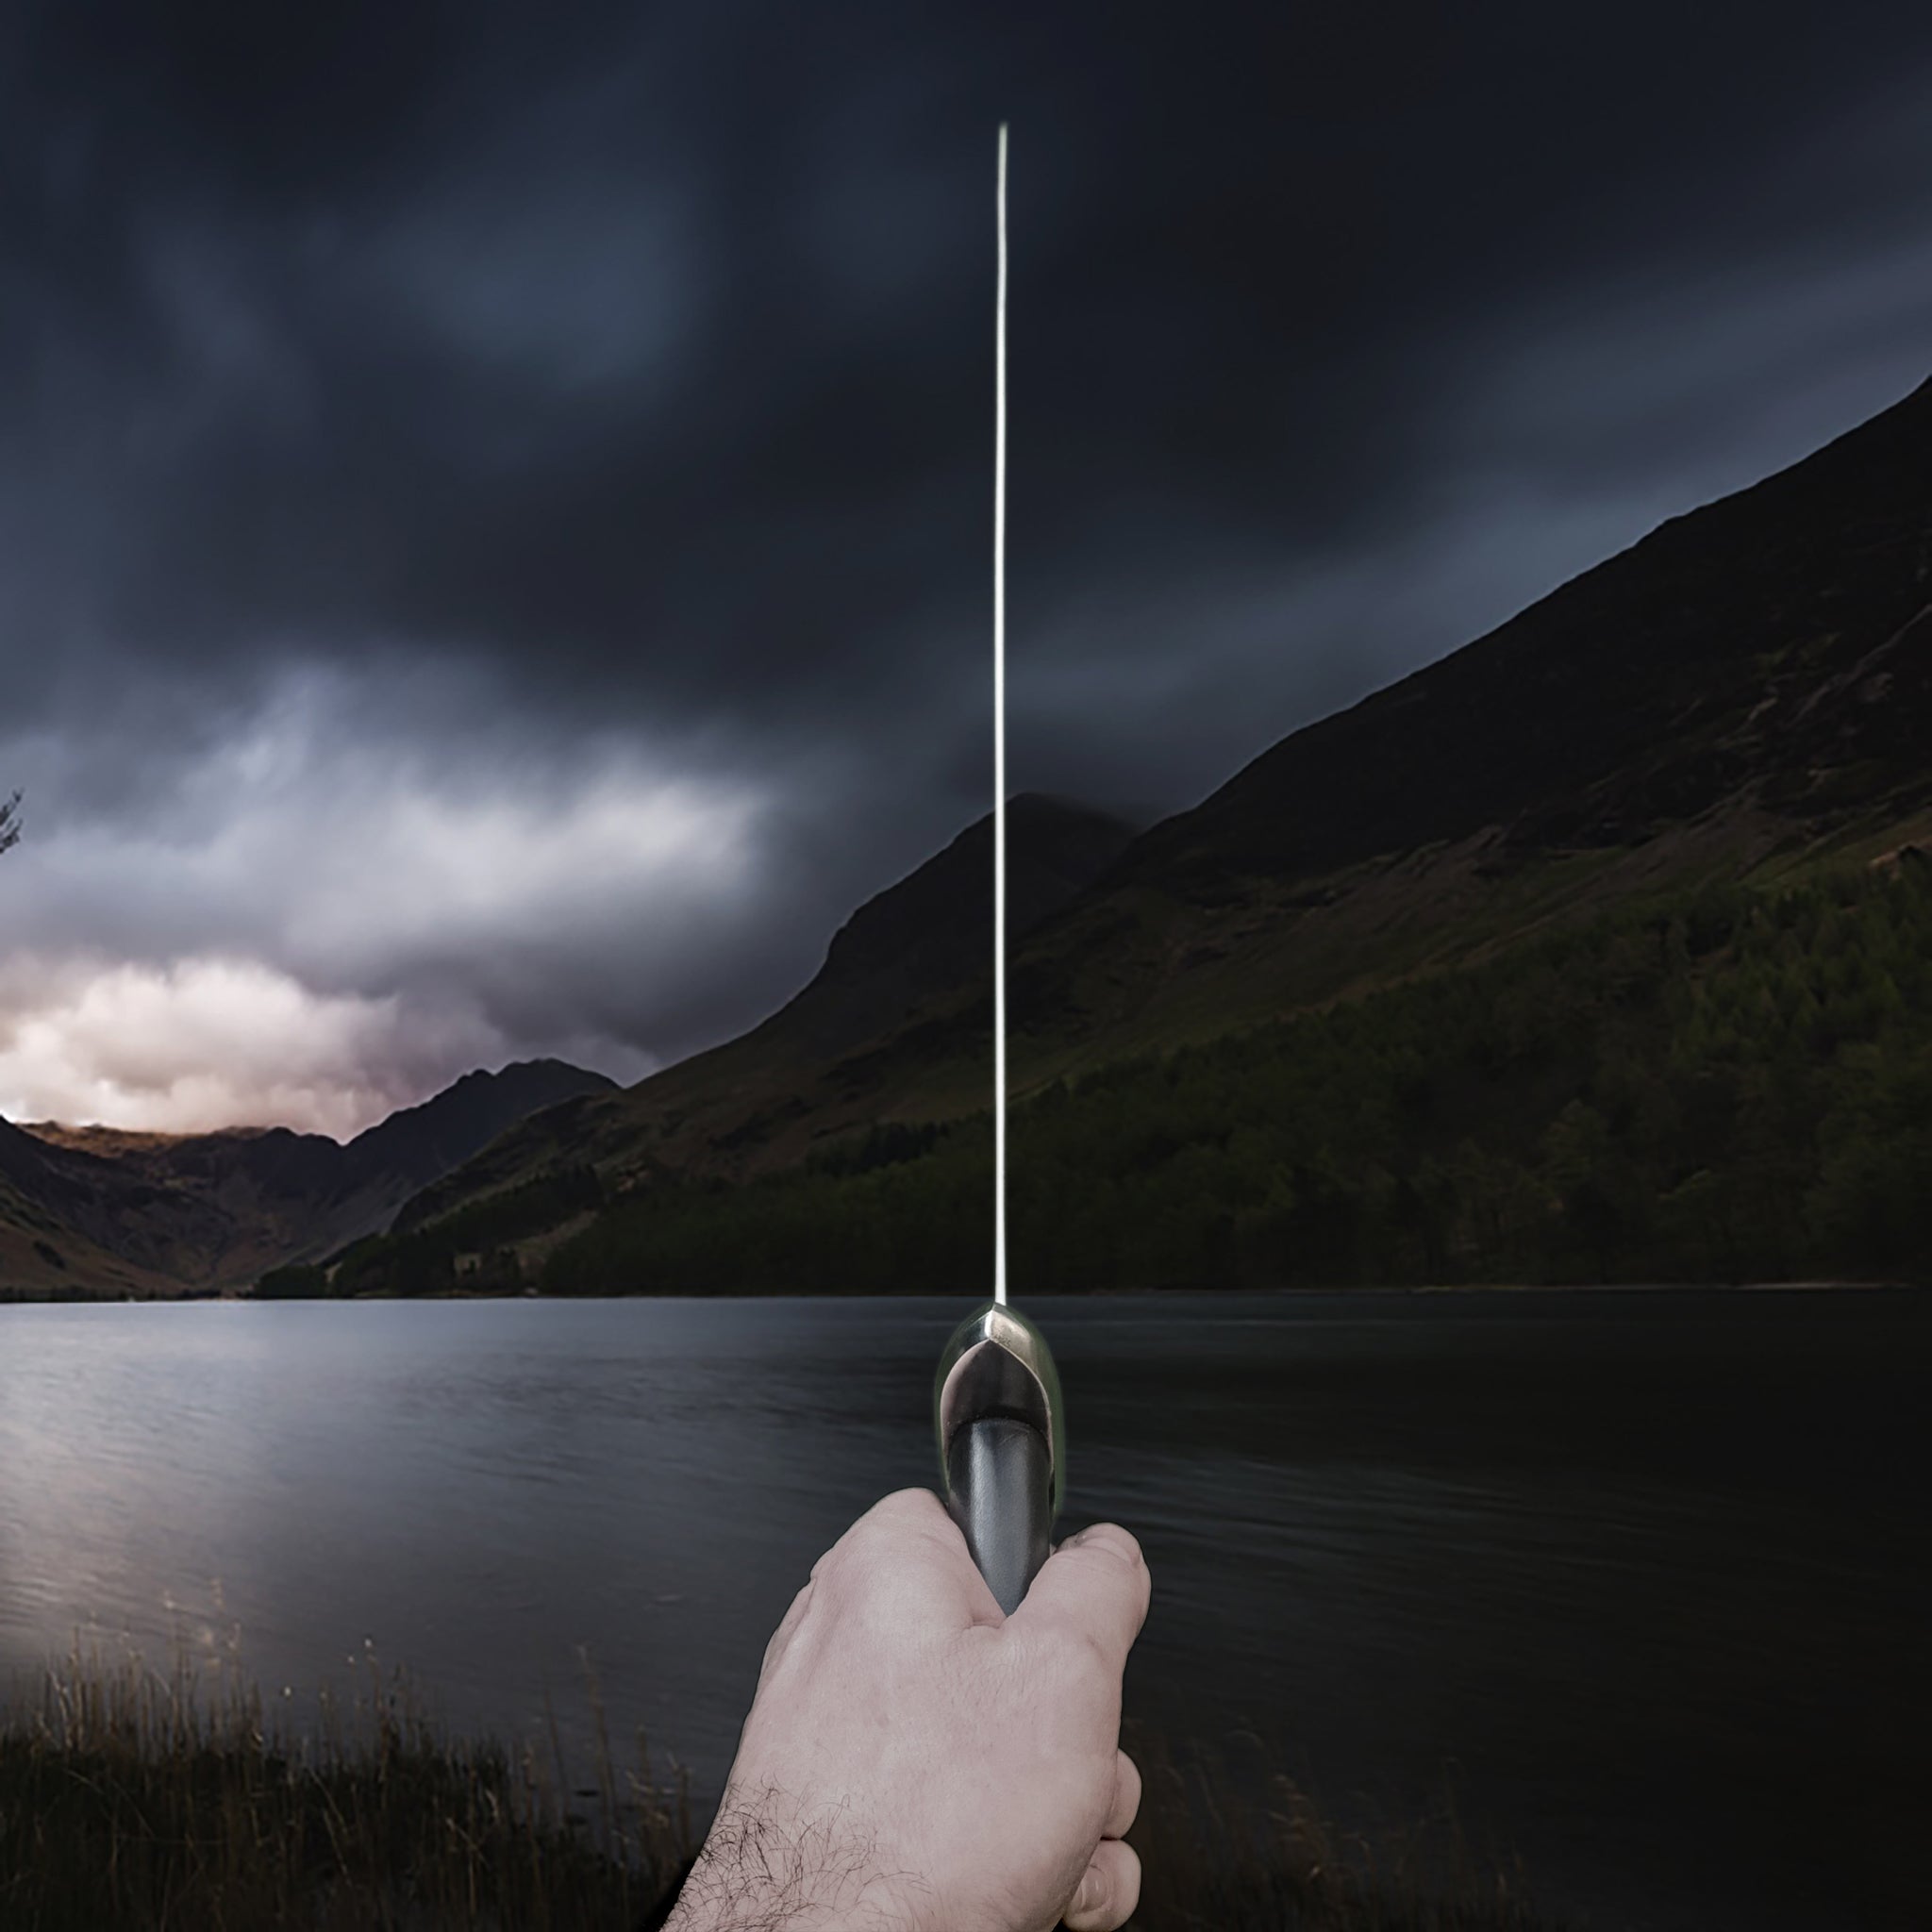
(1254, 1854)
(134, 1801)
(172, 1804)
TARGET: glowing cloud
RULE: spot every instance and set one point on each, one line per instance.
(315, 921)
(211, 1042)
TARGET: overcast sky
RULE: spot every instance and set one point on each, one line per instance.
(495, 501)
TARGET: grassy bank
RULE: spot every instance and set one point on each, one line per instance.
(66, 1293)
(171, 1804)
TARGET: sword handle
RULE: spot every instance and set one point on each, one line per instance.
(1002, 1441)
(999, 1483)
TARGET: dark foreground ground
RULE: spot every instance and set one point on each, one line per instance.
(131, 1800)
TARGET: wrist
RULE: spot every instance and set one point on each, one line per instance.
(769, 1867)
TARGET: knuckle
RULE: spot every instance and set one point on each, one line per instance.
(893, 1522)
(1086, 1665)
(1119, 1543)
(789, 1624)
(905, 1506)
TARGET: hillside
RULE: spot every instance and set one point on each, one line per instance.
(1743, 694)
(1748, 686)
(933, 932)
(1728, 1084)
(41, 1251)
(1768, 652)
(157, 1213)
(764, 1096)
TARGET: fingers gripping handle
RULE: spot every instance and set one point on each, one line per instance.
(1002, 1440)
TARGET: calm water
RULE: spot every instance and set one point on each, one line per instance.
(1650, 1571)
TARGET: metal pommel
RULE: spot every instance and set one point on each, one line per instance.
(998, 1364)
(1002, 1440)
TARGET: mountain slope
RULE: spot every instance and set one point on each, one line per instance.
(933, 930)
(417, 1143)
(756, 1098)
(1748, 686)
(1731, 1083)
(44, 1205)
(1769, 646)
(1743, 693)
(158, 1212)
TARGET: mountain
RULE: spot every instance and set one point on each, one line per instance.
(413, 1146)
(144, 1213)
(47, 1200)
(1743, 694)
(1765, 653)
(1745, 690)
(933, 930)
(758, 1098)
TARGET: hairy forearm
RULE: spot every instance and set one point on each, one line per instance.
(768, 1866)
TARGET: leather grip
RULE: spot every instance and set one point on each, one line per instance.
(999, 1484)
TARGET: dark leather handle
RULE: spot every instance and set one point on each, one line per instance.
(999, 1482)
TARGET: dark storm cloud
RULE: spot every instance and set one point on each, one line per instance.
(531, 380)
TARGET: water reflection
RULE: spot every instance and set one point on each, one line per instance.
(1651, 1571)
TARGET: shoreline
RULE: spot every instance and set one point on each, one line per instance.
(1445, 1290)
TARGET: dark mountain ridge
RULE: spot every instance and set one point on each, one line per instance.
(430, 1139)
(214, 1210)
(1749, 687)
(933, 930)
(1768, 644)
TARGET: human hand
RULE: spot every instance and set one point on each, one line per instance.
(914, 1760)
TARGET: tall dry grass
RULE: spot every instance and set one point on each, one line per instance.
(137, 1801)
(179, 1802)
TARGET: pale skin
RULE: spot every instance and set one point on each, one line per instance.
(914, 1762)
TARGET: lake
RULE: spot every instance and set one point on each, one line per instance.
(1646, 1575)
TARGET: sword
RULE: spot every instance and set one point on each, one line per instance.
(996, 1397)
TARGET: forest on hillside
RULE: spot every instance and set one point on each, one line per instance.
(1729, 1085)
